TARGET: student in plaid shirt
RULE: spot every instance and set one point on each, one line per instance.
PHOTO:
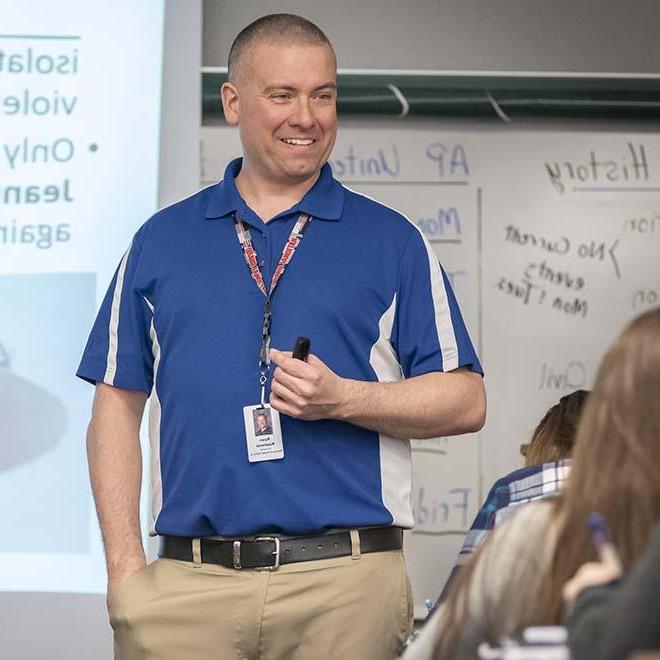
(547, 464)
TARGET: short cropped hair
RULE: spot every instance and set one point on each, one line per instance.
(273, 28)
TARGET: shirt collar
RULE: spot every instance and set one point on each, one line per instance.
(325, 200)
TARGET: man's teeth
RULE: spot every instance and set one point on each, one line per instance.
(299, 142)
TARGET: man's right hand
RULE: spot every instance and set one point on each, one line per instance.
(119, 576)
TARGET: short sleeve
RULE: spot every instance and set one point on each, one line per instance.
(118, 350)
(429, 331)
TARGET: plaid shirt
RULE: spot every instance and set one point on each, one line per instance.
(508, 493)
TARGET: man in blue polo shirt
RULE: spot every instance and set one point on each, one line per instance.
(284, 544)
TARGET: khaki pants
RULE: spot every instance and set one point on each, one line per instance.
(348, 608)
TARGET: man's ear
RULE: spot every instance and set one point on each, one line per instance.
(230, 102)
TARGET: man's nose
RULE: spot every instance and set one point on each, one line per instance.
(302, 115)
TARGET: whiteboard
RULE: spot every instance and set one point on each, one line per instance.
(551, 237)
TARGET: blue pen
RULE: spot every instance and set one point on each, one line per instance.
(606, 550)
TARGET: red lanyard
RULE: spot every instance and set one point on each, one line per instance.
(250, 254)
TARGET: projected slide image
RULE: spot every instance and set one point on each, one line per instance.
(44, 412)
(33, 419)
(79, 138)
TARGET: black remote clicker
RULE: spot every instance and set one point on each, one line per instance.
(301, 349)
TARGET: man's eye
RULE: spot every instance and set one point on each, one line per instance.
(280, 97)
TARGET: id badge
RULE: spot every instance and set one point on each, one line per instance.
(263, 433)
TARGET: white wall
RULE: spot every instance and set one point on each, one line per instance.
(523, 35)
(181, 109)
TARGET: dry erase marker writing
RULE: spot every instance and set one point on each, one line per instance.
(606, 550)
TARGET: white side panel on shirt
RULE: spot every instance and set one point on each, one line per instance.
(395, 463)
(443, 324)
(154, 433)
(111, 365)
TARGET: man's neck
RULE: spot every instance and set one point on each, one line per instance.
(268, 199)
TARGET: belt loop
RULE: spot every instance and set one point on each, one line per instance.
(355, 544)
(197, 552)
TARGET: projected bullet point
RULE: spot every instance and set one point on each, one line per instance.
(93, 147)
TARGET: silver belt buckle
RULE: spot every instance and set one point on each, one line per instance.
(275, 552)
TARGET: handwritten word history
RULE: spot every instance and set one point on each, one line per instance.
(631, 167)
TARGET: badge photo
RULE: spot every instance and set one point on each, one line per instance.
(263, 433)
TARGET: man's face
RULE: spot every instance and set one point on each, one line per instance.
(284, 103)
(261, 422)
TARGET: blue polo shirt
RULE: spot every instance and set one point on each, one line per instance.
(182, 322)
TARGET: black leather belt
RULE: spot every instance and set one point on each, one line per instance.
(269, 552)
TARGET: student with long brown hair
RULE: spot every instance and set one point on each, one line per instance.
(610, 618)
(515, 580)
(547, 464)
(616, 469)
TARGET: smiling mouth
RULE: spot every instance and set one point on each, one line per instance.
(298, 142)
